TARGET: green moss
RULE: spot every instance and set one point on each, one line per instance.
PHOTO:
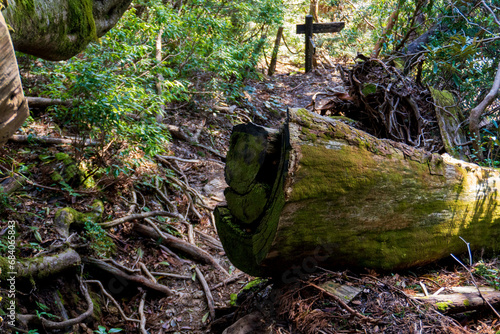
(69, 29)
(466, 302)
(443, 306)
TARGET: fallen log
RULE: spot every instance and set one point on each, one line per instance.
(323, 193)
(462, 299)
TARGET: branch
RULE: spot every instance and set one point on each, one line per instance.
(51, 140)
(140, 216)
(476, 113)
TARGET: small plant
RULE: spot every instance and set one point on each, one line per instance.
(102, 330)
(99, 241)
(489, 273)
(42, 311)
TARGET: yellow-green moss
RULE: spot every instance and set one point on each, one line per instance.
(443, 306)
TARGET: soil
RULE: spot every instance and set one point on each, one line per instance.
(274, 308)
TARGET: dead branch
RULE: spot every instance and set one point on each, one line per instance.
(463, 299)
(141, 314)
(157, 273)
(140, 216)
(33, 319)
(11, 184)
(113, 301)
(147, 272)
(43, 102)
(208, 294)
(228, 281)
(171, 241)
(52, 140)
(211, 241)
(134, 278)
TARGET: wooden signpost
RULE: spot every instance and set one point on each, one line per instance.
(311, 28)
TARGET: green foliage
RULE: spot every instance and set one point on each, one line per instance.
(103, 330)
(114, 84)
(100, 243)
(490, 273)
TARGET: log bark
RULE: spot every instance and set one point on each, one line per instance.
(13, 106)
(60, 29)
(323, 193)
(462, 299)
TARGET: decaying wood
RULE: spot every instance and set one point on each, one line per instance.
(43, 102)
(332, 195)
(51, 140)
(13, 105)
(462, 299)
(11, 184)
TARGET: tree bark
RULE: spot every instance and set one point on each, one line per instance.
(13, 106)
(60, 29)
(323, 193)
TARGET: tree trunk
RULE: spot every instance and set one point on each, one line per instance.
(60, 29)
(13, 105)
(320, 192)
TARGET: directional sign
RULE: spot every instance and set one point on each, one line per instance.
(311, 28)
(319, 28)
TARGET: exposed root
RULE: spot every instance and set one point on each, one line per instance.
(36, 320)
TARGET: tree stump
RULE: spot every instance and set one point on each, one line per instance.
(319, 192)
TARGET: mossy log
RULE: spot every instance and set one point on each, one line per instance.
(320, 192)
(13, 106)
(462, 299)
(60, 29)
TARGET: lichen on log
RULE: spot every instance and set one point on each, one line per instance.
(341, 197)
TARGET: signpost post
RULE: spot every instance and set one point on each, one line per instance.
(311, 28)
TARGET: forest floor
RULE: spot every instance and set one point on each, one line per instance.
(382, 303)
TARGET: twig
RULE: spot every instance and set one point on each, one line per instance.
(158, 273)
(113, 301)
(227, 281)
(147, 272)
(139, 216)
(193, 161)
(141, 313)
(208, 294)
(214, 243)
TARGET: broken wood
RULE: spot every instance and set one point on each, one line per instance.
(462, 299)
(43, 102)
(51, 140)
(323, 193)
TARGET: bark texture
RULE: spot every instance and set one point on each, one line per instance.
(323, 193)
(60, 29)
(13, 106)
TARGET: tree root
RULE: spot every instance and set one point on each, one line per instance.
(40, 267)
(179, 244)
(113, 301)
(134, 278)
(33, 319)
